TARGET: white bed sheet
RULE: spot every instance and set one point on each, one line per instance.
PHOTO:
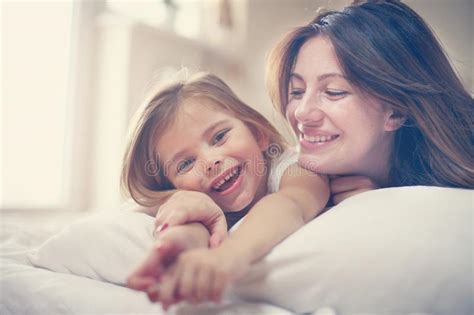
(406, 250)
(28, 290)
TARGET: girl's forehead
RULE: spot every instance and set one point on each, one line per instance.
(193, 117)
(201, 107)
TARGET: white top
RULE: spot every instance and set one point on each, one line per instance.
(277, 168)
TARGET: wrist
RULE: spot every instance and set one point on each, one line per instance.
(231, 249)
(193, 235)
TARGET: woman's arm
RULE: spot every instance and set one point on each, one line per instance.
(203, 274)
(302, 195)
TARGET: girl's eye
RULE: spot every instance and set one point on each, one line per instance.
(220, 136)
(184, 166)
(296, 94)
(335, 94)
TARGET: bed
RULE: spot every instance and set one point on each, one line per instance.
(391, 251)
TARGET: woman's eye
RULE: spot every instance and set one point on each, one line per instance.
(220, 136)
(297, 94)
(335, 94)
(184, 166)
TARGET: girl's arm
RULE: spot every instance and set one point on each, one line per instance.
(184, 207)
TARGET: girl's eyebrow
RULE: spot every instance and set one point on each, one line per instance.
(205, 134)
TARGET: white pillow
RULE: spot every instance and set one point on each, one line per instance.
(388, 251)
(107, 246)
(397, 250)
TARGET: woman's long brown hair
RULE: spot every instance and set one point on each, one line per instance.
(388, 51)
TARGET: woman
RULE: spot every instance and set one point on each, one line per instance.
(376, 80)
(370, 93)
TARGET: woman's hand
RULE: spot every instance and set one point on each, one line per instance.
(343, 187)
(200, 275)
(192, 206)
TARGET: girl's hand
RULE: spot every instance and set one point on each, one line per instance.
(169, 245)
(200, 275)
(343, 187)
(192, 206)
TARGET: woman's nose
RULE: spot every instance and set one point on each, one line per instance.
(309, 111)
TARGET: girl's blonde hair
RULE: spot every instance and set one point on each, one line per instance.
(142, 177)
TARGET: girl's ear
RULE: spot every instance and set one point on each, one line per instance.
(263, 140)
(394, 120)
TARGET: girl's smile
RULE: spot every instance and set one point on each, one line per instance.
(226, 182)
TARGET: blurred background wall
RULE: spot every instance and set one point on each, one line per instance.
(73, 73)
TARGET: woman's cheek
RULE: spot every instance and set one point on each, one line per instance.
(290, 116)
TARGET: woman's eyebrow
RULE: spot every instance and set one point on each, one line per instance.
(320, 77)
(330, 75)
(296, 76)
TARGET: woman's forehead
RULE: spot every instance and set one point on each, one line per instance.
(316, 57)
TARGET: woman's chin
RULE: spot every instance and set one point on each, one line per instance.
(309, 162)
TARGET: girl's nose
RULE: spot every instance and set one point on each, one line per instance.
(309, 111)
(213, 166)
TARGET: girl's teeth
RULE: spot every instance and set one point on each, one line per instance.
(222, 181)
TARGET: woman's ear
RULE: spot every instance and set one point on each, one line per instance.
(394, 120)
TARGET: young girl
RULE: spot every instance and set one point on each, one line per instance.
(194, 135)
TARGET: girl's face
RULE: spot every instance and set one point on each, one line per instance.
(340, 129)
(210, 151)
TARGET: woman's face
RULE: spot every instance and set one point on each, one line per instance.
(340, 129)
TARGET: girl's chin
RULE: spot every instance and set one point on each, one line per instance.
(237, 206)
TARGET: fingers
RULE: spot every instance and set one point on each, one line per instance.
(148, 272)
(218, 285)
(337, 198)
(191, 206)
(186, 284)
(216, 239)
(170, 217)
(140, 283)
(153, 292)
(203, 281)
(151, 270)
(167, 289)
(218, 230)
